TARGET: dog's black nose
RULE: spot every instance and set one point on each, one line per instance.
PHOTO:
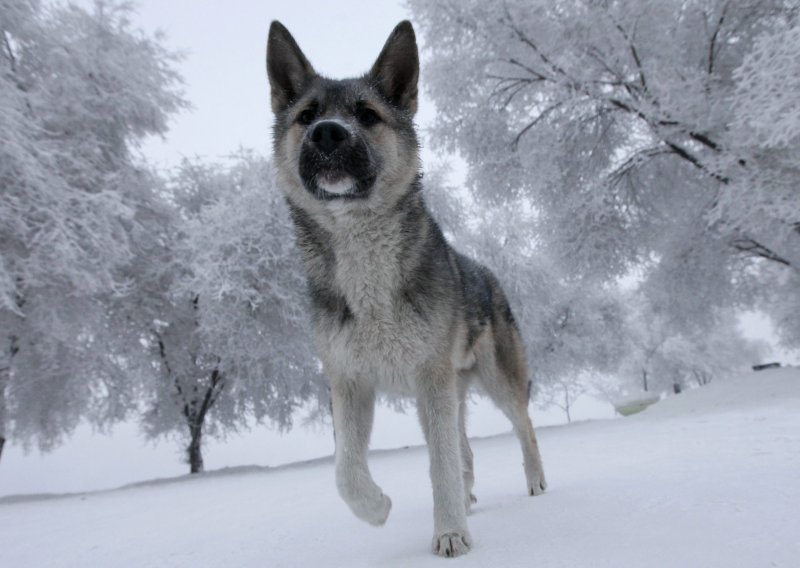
(328, 135)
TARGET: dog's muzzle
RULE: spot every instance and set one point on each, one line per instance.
(335, 163)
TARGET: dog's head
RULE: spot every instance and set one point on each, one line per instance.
(347, 142)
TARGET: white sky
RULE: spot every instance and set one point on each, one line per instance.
(226, 83)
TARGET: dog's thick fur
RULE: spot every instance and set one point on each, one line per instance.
(394, 306)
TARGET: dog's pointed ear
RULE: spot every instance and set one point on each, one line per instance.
(396, 70)
(287, 68)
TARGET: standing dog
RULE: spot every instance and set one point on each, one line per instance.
(395, 308)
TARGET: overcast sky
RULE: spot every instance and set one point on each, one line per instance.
(224, 68)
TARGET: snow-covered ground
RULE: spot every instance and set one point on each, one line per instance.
(708, 478)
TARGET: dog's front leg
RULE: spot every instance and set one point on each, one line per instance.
(353, 410)
(437, 405)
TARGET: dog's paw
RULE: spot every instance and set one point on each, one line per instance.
(451, 544)
(537, 485)
(374, 511)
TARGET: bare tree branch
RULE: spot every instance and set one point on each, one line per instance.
(752, 247)
(12, 60)
(712, 47)
(634, 160)
(542, 115)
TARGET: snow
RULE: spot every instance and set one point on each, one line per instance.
(707, 478)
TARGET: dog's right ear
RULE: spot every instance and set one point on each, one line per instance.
(287, 68)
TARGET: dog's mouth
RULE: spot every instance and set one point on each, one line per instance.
(335, 183)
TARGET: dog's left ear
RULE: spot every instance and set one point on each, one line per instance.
(288, 69)
(396, 70)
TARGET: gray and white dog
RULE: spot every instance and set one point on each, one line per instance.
(395, 308)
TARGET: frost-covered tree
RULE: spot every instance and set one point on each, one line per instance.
(569, 326)
(668, 354)
(79, 90)
(783, 305)
(661, 134)
(700, 356)
(563, 392)
(228, 332)
(649, 331)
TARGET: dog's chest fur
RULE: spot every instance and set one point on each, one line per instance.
(367, 270)
(371, 319)
(386, 340)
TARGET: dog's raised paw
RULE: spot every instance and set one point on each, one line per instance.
(451, 544)
(375, 512)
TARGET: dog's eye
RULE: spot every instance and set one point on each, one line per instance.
(307, 116)
(367, 116)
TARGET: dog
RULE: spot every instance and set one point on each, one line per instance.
(394, 307)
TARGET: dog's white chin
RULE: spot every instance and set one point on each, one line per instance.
(339, 187)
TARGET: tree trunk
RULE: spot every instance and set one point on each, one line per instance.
(644, 379)
(196, 418)
(194, 451)
(5, 379)
(3, 382)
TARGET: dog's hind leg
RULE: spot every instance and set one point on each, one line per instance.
(437, 405)
(503, 374)
(467, 468)
(353, 410)
(534, 472)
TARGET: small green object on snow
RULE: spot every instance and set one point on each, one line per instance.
(631, 405)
